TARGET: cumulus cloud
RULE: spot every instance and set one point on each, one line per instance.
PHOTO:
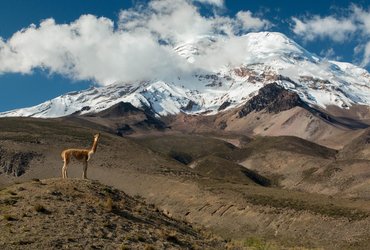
(323, 27)
(363, 18)
(88, 48)
(141, 48)
(248, 21)
(340, 29)
(178, 21)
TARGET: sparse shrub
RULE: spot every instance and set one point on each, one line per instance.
(149, 247)
(151, 205)
(10, 201)
(24, 242)
(138, 197)
(123, 247)
(40, 209)
(109, 204)
(173, 238)
(9, 217)
(256, 243)
(12, 192)
(108, 190)
(141, 238)
(107, 224)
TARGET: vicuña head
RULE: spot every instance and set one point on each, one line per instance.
(82, 155)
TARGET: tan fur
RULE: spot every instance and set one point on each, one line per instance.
(82, 155)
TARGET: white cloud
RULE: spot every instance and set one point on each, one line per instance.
(88, 48)
(323, 27)
(363, 18)
(330, 54)
(173, 21)
(366, 56)
(218, 3)
(355, 23)
(141, 48)
(177, 21)
(252, 23)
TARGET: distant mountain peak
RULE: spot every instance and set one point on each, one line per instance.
(267, 57)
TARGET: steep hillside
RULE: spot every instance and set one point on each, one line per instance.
(55, 213)
(358, 148)
(275, 111)
(125, 119)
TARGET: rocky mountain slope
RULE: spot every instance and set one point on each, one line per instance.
(52, 213)
(276, 111)
(268, 57)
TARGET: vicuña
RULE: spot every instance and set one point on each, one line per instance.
(82, 155)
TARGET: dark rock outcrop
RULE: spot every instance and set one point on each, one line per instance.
(273, 98)
(119, 109)
(224, 105)
(189, 106)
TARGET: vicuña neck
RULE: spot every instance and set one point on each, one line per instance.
(94, 146)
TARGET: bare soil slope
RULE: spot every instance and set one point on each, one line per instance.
(55, 213)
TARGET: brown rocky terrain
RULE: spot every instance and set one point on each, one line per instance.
(252, 191)
(55, 214)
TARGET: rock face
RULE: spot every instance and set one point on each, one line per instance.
(224, 105)
(273, 98)
(17, 163)
(120, 109)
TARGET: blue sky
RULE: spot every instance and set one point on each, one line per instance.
(30, 74)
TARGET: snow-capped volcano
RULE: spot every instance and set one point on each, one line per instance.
(265, 57)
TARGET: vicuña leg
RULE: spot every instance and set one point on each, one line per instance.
(84, 170)
(64, 169)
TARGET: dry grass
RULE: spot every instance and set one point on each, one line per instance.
(9, 217)
(84, 222)
(40, 209)
(109, 204)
